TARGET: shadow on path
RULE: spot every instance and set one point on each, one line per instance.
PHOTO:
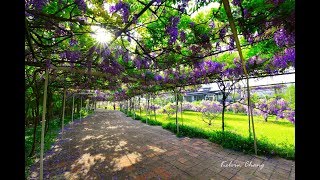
(109, 145)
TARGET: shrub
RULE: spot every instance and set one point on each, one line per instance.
(210, 110)
(237, 108)
(168, 109)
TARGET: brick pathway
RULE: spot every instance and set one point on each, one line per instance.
(109, 145)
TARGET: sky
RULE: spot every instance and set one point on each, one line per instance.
(287, 78)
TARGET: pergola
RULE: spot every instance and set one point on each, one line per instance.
(113, 74)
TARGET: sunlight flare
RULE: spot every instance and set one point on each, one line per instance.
(101, 35)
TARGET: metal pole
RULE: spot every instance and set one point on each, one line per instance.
(148, 96)
(80, 106)
(149, 107)
(87, 105)
(128, 107)
(177, 112)
(43, 121)
(140, 105)
(134, 110)
(72, 107)
(181, 110)
(154, 109)
(63, 108)
(235, 35)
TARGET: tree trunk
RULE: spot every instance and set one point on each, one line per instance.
(266, 118)
(223, 109)
(26, 120)
(36, 116)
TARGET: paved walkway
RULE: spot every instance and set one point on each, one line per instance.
(109, 145)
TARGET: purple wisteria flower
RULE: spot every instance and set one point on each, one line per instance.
(211, 24)
(172, 29)
(277, 2)
(154, 107)
(158, 77)
(182, 36)
(218, 47)
(245, 13)
(222, 32)
(81, 5)
(123, 8)
(125, 56)
(73, 42)
(236, 2)
(231, 43)
(37, 4)
(284, 60)
(105, 52)
(283, 38)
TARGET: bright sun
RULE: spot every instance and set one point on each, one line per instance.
(101, 35)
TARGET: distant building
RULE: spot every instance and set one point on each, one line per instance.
(261, 86)
(203, 94)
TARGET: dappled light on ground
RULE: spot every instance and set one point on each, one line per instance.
(156, 149)
(83, 165)
(126, 160)
(133, 150)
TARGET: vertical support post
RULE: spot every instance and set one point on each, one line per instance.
(72, 108)
(43, 121)
(80, 105)
(177, 124)
(140, 105)
(181, 110)
(148, 97)
(235, 35)
(63, 108)
(87, 105)
(134, 109)
(154, 109)
(128, 107)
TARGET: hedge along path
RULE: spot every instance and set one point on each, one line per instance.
(107, 144)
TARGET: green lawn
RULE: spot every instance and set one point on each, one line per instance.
(279, 132)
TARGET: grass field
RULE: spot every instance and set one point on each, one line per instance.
(280, 133)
